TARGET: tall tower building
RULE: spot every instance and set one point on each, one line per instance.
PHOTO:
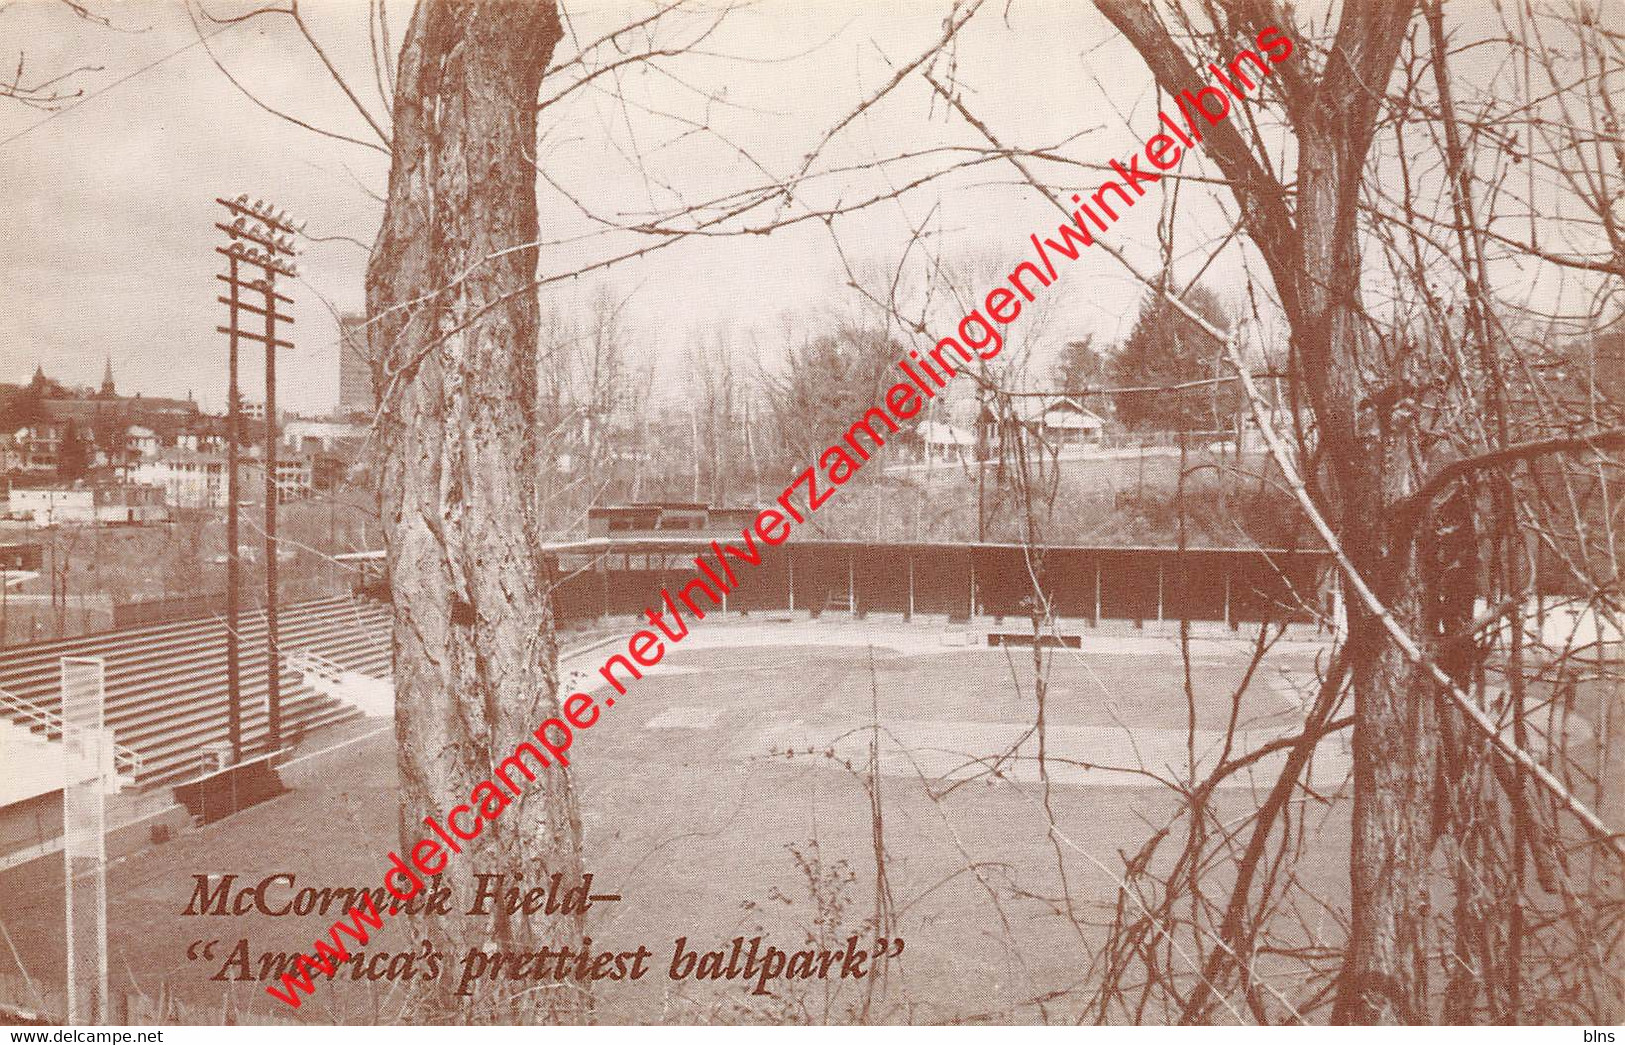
(355, 372)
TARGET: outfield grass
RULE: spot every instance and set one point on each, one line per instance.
(706, 780)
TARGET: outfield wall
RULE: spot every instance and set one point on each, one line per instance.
(1234, 586)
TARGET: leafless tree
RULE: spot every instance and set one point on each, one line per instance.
(1410, 459)
(475, 656)
(719, 403)
(53, 90)
(1459, 476)
(472, 416)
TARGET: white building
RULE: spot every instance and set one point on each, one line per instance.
(106, 505)
(200, 443)
(1059, 420)
(194, 479)
(297, 432)
(37, 447)
(140, 441)
(294, 478)
(1063, 421)
(188, 478)
(945, 442)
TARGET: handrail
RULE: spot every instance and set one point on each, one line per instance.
(323, 664)
(42, 718)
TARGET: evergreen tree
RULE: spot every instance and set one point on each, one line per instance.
(1167, 348)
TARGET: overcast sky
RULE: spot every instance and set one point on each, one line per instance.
(107, 206)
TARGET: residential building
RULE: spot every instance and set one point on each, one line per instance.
(945, 442)
(141, 442)
(37, 447)
(1060, 420)
(81, 503)
(188, 478)
(294, 477)
(330, 435)
(197, 479)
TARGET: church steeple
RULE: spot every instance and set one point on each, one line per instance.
(107, 380)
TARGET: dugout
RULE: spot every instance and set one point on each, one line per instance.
(633, 584)
(821, 577)
(1129, 584)
(764, 587)
(1278, 586)
(942, 580)
(1072, 576)
(578, 587)
(1005, 580)
(882, 578)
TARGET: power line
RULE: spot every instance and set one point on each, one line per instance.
(1127, 389)
(31, 128)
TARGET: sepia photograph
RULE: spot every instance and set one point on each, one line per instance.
(667, 514)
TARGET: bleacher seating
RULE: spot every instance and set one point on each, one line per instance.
(166, 683)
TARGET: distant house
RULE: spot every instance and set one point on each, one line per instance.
(21, 556)
(121, 445)
(108, 504)
(1064, 421)
(140, 441)
(197, 479)
(202, 442)
(295, 477)
(189, 478)
(665, 518)
(945, 442)
(38, 447)
(331, 435)
(1059, 420)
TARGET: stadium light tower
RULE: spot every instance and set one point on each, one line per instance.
(260, 236)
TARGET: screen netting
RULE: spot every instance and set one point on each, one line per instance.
(87, 754)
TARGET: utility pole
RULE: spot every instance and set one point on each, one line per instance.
(55, 613)
(262, 236)
(981, 462)
(332, 533)
(234, 583)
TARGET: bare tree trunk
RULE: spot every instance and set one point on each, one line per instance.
(456, 336)
(1365, 414)
(1366, 422)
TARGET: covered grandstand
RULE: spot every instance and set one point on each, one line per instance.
(963, 582)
